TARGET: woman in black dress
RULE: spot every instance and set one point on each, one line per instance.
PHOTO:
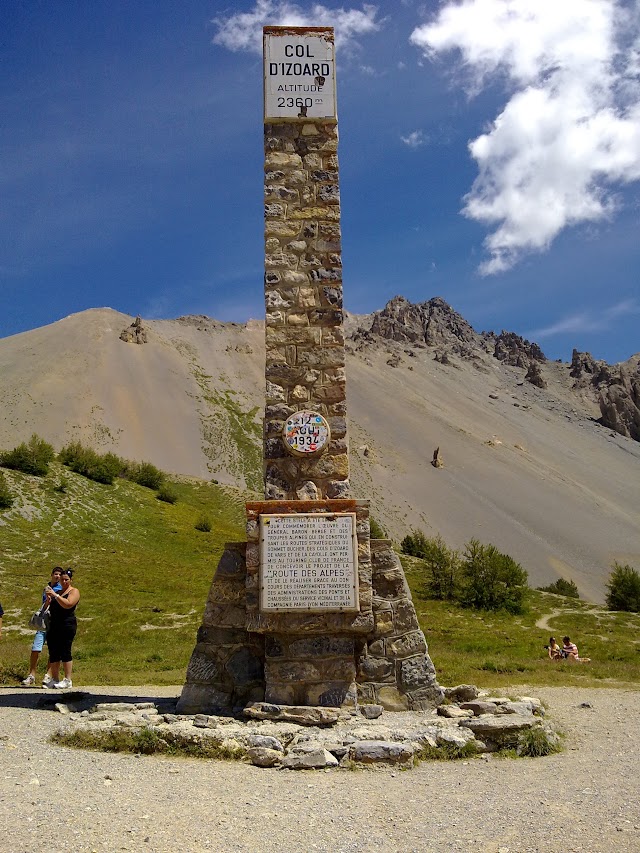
(62, 630)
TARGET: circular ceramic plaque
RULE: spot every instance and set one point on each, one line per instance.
(305, 433)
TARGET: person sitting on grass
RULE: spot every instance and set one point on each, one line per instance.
(555, 652)
(570, 651)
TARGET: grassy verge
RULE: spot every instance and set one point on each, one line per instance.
(533, 743)
(144, 573)
(142, 569)
(495, 649)
(147, 742)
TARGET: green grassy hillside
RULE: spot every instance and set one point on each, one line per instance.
(144, 573)
(496, 649)
(142, 569)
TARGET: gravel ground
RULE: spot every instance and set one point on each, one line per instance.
(586, 799)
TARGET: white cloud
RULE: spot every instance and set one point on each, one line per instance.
(588, 321)
(243, 31)
(570, 129)
(414, 139)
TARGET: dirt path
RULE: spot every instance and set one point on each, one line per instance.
(585, 800)
(543, 622)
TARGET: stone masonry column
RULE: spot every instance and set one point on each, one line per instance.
(305, 356)
(308, 610)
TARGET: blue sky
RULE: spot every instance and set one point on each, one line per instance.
(489, 154)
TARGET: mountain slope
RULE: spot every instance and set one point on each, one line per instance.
(525, 467)
(175, 400)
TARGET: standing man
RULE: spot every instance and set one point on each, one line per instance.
(38, 640)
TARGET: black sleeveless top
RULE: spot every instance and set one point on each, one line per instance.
(60, 614)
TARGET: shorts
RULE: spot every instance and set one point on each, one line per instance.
(38, 641)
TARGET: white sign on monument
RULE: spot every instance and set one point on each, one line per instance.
(309, 562)
(299, 73)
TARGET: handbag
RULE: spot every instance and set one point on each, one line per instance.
(41, 619)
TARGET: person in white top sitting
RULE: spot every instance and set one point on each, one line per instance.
(571, 651)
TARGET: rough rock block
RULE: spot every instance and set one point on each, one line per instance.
(372, 751)
(265, 742)
(461, 693)
(392, 699)
(498, 728)
(303, 715)
(263, 757)
(371, 712)
(453, 712)
(478, 707)
(316, 760)
(197, 698)
(456, 737)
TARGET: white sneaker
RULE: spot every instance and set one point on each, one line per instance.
(28, 681)
(65, 684)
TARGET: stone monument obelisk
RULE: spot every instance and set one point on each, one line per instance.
(307, 611)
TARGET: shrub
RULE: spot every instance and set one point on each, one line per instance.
(482, 578)
(78, 458)
(32, 457)
(377, 531)
(415, 544)
(406, 546)
(6, 498)
(167, 493)
(491, 580)
(536, 742)
(203, 524)
(623, 589)
(61, 487)
(443, 565)
(106, 470)
(103, 468)
(72, 453)
(144, 474)
(445, 752)
(561, 587)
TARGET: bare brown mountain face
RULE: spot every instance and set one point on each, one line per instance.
(434, 324)
(616, 389)
(516, 351)
(526, 467)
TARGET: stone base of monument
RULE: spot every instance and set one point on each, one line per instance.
(375, 654)
(305, 737)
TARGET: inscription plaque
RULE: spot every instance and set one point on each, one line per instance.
(309, 562)
(299, 73)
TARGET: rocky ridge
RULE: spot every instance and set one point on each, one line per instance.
(515, 350)
(135, 333)
(616, 389)
(433, 324)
